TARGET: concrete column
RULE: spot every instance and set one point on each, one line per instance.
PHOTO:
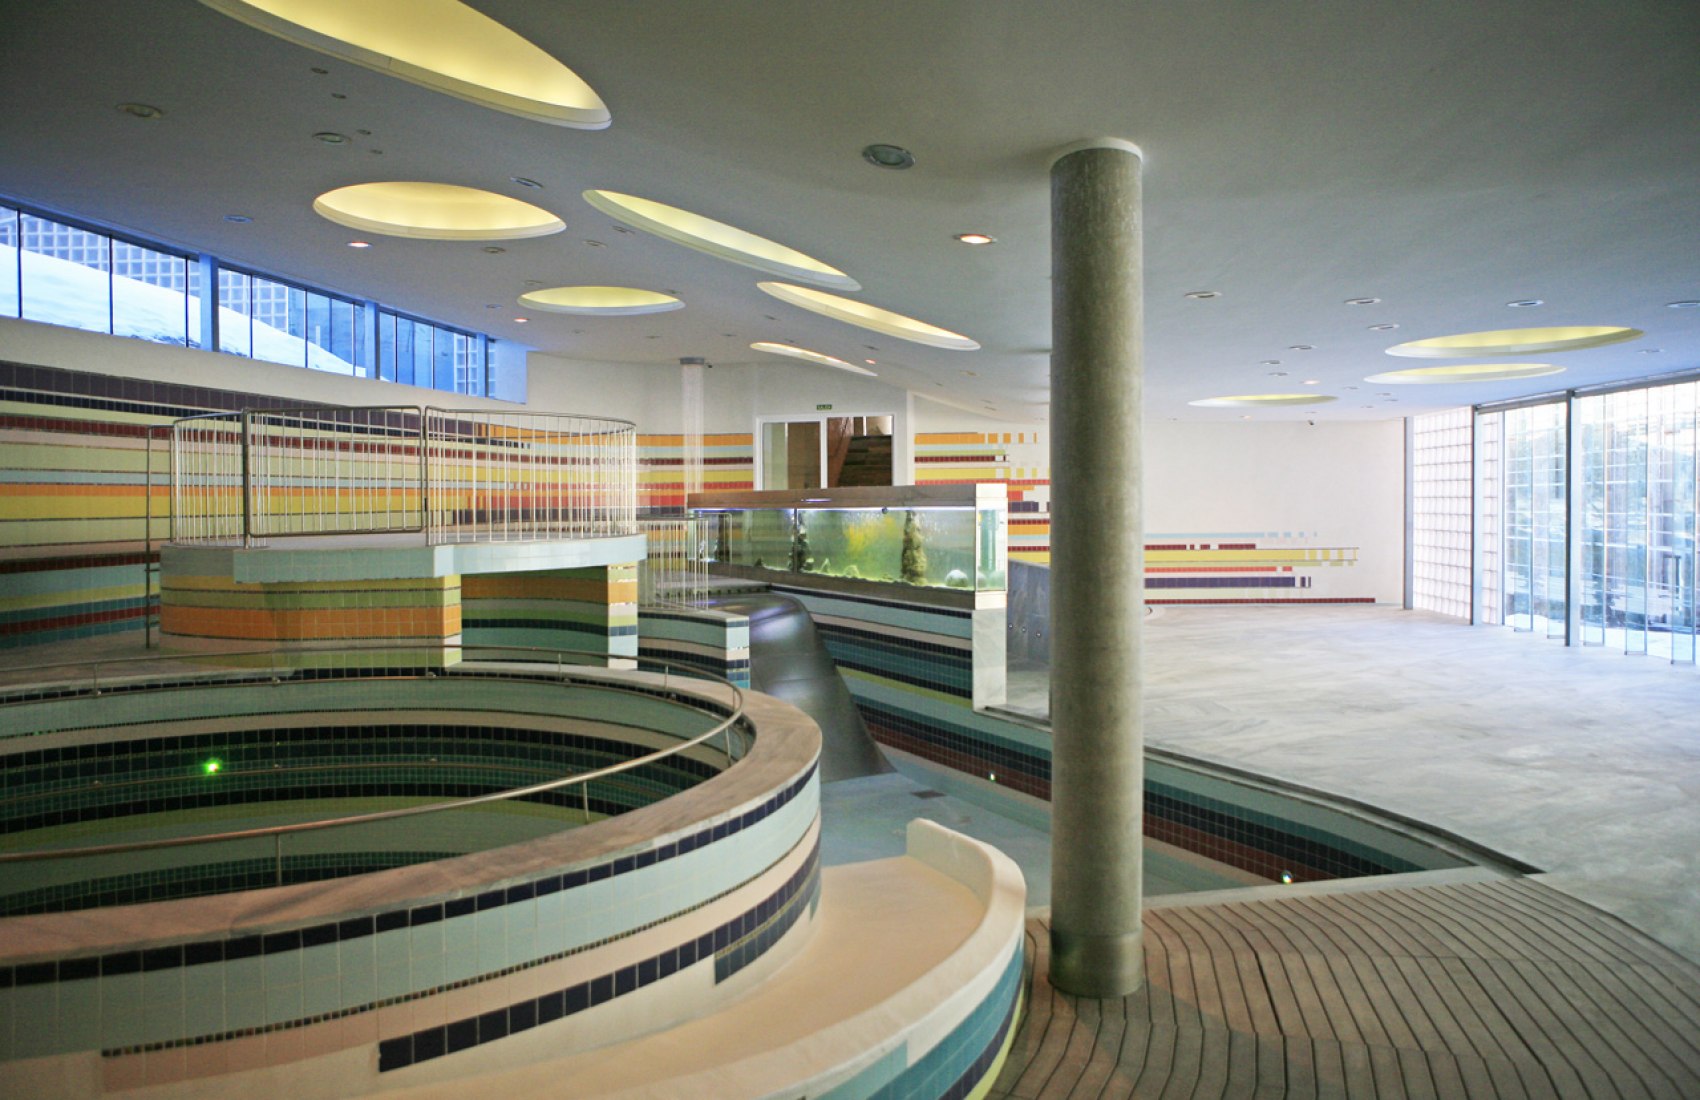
(1097, 571)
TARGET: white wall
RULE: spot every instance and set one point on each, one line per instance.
(1338, 484)
(99, 353)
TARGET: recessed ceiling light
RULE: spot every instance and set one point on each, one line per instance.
(521, 320)
(870, 362)
(623, 229)
(1526, 303)
(1301, 347)
(493, 305)
(339, 95)
(870, 317)
(494, 249)
(239, 219)
(605, 301)
(440, 44)
(1259, 400)
(1247, 416)
(976, 238)
(794, 352)
(1516, 341)
(1202, 295)
(718, 239)
(888, 156)
(331, 137)
(527, 182)
(435, 211)
(1277, 374)
(142, 110)
(360, 244)
(1363, 301)
(1651, 351)
(1386, 326)
(1464, 372)
(1685, 304)
(972, 373)
(1269, 362)
(1313, 381)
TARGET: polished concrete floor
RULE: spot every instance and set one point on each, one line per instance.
(1582, 762)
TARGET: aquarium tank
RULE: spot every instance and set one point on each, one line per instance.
(943, 537)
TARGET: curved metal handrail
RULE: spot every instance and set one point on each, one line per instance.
(280, 831)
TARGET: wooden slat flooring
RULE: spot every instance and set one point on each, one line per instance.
(1499, 989)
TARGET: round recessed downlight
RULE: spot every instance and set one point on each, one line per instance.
(881, 155)
(1526, 303)
(435, 211)
(808, 356)
(145, 111)
(601, 301)
(440, 44)
(975, 238)
(1515, 341)
(718, 239)
(869, 317)
(1684, 304)
(1260, 400)
(1464, 372)
(1202, 295)
(1363, 301)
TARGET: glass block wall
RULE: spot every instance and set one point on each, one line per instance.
(1440, 512)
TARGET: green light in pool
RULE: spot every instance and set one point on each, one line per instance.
(212, 766)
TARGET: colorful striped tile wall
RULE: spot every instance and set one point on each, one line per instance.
(729, 464)
(715, 641)
(1020, 460)
(426, 609)
(591, 609)
(1264, 567)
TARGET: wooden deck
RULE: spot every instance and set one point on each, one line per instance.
(1502, 989)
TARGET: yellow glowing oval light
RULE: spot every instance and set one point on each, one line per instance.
(808, 356)
(873, 318)
(439, 44)
(435, 211)
(1515, 341)
(1260, 400)
(1464, 372)
(602, 301)
(727, 242)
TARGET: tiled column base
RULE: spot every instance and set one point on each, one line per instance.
(592, 609)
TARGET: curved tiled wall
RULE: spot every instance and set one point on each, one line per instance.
(654, 914)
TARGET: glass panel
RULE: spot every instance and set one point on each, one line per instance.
(149, 295)
(791, 455)
(280, 322)
(66, 275)
(1490, 517)
(1552, 508)
(194, 269)
(857, 452)
(235, 313)
(8, 262)
(1518, 521)
(1626, 521)
(386, 346)
(1592, 430)
(443, 377)
(1670, 522)
(990, 572)
(422, 334)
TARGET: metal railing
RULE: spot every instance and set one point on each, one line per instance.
(568, 668)
(457, 475)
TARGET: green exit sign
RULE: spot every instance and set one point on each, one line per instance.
(823, 408)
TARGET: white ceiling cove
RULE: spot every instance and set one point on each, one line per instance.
(1445, 158)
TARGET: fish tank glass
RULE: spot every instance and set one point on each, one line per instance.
(947, 544)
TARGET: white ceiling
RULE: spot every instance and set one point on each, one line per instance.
(1446, 157)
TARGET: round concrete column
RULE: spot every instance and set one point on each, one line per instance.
(1097, 571)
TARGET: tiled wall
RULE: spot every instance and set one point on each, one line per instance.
(715, 641)
(592, 609)
(728, 464)
(420, 610)
(1256, 567)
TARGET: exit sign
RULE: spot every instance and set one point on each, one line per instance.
(823, 408)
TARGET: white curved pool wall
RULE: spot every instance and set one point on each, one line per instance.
(597, 933)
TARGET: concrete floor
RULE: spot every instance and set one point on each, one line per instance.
(1582, 762)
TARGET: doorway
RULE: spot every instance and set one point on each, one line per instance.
(824, 452)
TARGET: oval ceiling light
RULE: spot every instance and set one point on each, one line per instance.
(1515, 341)
(869, 317)
(1260, 400)
(439, 44)
(435, 211)
(1464, 372)
(718, 239)
(601, 301)
(808, 356)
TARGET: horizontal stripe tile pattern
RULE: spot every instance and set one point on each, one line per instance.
(594, 609)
